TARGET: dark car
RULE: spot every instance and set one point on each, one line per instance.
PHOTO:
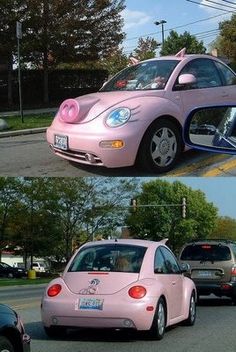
(12, 333)
(213, 266)
(8, 271)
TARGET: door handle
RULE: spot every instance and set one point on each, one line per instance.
(173, 283)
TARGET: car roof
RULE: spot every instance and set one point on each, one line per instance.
(186, 57)
(137, 242)
(212, 241)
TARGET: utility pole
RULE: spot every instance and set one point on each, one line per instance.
(162, 22)
(19, 37)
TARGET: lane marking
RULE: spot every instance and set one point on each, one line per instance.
(198, 165)
(223, 168)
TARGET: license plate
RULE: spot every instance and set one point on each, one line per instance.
(204, 273)
(61, 142)
(90, 304)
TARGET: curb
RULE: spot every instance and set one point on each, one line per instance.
(23, 132)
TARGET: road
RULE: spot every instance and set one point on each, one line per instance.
(30, 155)
(213, 331)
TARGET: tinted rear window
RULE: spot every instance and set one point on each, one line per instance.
(206, 252)
(109, 257)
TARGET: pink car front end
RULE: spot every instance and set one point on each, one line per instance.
(114, 284)
(138, 115)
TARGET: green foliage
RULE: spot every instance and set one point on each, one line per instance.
(146, 48)
(225, 228)
(164, 219)
(227, 41)
(175, 42)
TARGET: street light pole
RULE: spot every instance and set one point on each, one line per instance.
(19, 37)
(162, 22)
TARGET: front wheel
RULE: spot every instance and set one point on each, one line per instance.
(192, 312)
(5, 345)
(160, 146)
(159, 322)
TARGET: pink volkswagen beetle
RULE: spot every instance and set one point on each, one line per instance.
(120, 284)
(137, 116)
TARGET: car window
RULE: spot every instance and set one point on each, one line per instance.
(206, 74)
(111, 257)
(148, 75)
(170, 261)
(229, 77)
(159, 263)
(206, 252)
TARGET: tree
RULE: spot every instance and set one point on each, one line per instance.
(146, 48)
(225, 228)
(58, 31)
(164, 219)
(226, 42)
(115, 62)
(8, 199)
(175, 42)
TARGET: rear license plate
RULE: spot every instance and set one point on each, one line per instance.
(204, 273)
(61, 142)
(90, 304)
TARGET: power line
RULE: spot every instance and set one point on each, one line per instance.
(214, 2)
(177, 27)
(213, 7)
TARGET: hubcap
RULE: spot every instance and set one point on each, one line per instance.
(163, 147)
(192, 309)
(161, 319)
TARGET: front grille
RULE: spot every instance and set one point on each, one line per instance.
(77, 156)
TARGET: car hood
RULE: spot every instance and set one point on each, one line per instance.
(98, 282)
(90, 106)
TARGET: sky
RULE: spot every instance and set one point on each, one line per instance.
(140, 16)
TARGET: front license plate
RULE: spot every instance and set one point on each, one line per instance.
(61, 142)
(90, 303)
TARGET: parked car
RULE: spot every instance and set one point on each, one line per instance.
(213, 266)
(12, 334)
(120, 284)
(137, 116)
(9, 271)
(39, 267)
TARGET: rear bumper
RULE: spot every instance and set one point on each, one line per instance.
(219, 289)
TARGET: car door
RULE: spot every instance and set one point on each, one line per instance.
(168, 272)
(209, 89)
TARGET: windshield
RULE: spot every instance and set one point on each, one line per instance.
(206, 252)
(146, 75)
(109, 257)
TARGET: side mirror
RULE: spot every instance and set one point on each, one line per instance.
(187, 78)
(185, 268)
(212, 128)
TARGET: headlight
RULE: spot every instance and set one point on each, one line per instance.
(118, 117)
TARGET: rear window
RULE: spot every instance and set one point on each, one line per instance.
(206, 252)
(109, 257)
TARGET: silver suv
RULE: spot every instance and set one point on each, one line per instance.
(213, 266)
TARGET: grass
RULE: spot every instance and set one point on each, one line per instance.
(14, 282)
(30, 121)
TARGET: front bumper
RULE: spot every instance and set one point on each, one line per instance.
(84, 143)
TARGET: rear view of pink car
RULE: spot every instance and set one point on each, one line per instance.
(120, 284)
(137, 117)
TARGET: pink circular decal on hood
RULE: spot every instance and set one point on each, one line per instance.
(69, 111)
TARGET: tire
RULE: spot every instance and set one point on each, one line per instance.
(10, 276)
(192, 312)
(157, 330)
(5, 345)
(55, 331)
(160, 147)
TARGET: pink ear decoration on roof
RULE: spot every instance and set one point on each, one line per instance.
(133, 61)
(181, 53)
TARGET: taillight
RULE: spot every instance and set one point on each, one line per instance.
(137, 292)
(233, 273)
(54, 290)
